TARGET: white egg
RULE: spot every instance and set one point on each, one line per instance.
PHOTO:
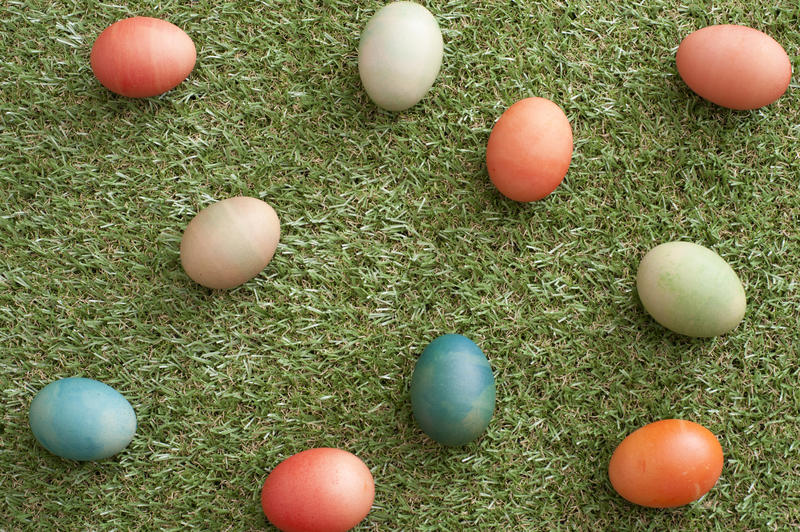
(400, 55)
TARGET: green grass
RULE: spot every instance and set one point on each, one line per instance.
(392, 235)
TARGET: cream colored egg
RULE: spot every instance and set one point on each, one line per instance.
(400, 55)
(230, 242)
(690, 290)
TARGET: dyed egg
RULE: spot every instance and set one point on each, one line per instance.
(734, 66)
(452, 390)
(399, 55)
(82, 419)
(230, 242)
(142, 56)
(318, 490)
(529, 149)
(690, 290)
(667, 463)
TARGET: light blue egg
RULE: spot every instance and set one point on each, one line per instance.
(82, 419)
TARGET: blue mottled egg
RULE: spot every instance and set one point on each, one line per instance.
(82, 419)
(452, 390)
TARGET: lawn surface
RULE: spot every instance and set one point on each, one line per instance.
(392, 235)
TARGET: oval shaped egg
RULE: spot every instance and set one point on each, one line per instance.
(667, 463)
(734, 66)
(453, 390)
(690, 290)
(230, 242)
(399, 55)
(140, 57)
(529, 149)
(82, 419)
(318, 490)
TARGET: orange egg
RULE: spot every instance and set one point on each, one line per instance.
(529, 149)
(318, 490)
(667, 463)
(734, 66)
(140, 57)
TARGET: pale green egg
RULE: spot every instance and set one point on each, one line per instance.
(400, 55)
(690, 290)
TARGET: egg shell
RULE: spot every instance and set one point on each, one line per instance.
(690, 290)
(667, 463)
(734, 66)
(399, 55)
(82, 419)
(318, 490)
(453, 390)
(529, 149)
(230, 242)
(140, 57)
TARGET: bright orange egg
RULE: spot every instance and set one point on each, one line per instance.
(529, 149)
(667, 463)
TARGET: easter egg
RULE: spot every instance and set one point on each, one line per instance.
(667, 463)
(690, 290)
(529, 149)
(230, 242)
(81, 419)
(399, 55)
(734, 66)
(142, 56)
(318, 490)
(452, 390)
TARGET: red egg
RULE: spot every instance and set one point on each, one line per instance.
(667, 463)
(141, 56)
(734, 66)
(318, 490)
(529, 149)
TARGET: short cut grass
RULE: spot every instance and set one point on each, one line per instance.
(392, 235)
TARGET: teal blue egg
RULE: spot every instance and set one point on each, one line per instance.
(452, 390)
(82, 419)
